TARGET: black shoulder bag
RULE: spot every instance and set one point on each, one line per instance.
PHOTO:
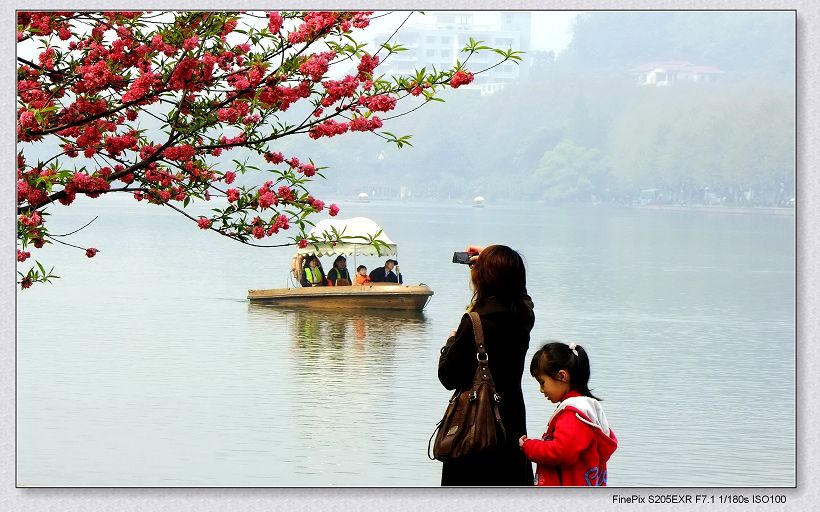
(472, 422)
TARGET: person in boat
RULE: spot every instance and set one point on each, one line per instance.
(385, 274)
(339, 275)
(313, 275)
(361, 275)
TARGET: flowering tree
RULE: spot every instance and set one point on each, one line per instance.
(214, 82)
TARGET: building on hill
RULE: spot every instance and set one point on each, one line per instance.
(439, 42)
(661, 74)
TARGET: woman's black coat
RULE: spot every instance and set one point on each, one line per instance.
(507, 338)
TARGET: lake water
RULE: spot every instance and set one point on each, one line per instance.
(146, 365)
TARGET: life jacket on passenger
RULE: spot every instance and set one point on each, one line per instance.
(314, 276)
(337, 277)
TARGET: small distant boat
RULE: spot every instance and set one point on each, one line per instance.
(478, 202)
(363, 198)
(344, 298)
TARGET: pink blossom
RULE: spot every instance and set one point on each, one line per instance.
(274, 158)
(317, 65)
(303, 243)
(460, 78)
(91, 252)
(204, 223)
(307, 169)
(181, 153)
(229, 177)
(191, 43)
(267, 199)
(22, 255)
(233, 195)
(282, 222)
(379, 102)
(274, 22)
(367, 65)
(333, 210)
(329, 128)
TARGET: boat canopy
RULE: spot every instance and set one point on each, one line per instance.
(355, 227)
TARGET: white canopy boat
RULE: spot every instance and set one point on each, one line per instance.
(369, 296)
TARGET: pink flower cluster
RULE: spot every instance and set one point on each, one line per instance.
(274, 158)
(22, 255)
(314, 23)
(316, 204)
(91, 252)
(317, 65)
(274, 22)
(31, 221)
(233, 113)
(366, 66)
(204, 223)
(181, 153)
(379, 102)
(282, 97)
(460, 78)
(91, 185)
(329, 128)
(364, 124)
(233, 195)
(116, 144)
(338, 89)
(333, 210)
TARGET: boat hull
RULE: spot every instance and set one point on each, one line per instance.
(373, 296)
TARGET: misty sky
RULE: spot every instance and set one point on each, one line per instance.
(551, 30)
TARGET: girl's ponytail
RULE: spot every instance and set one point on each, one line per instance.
(556, 356)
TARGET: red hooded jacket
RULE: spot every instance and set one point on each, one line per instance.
(576, 446)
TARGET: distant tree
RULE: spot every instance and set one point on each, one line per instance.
(569, 172)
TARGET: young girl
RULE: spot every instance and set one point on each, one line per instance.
(578, 442)
(361, 275)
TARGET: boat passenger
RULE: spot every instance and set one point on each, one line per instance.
(339, 275)
(385, 274)
(312, 275)
(361, 275)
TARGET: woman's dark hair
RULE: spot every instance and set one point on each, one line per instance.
(499, 271)
(337, 260)
(556, 356)
(360, 267)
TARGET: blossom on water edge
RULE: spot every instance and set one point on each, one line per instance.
(91, 252)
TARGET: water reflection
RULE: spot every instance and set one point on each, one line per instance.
(346, 376)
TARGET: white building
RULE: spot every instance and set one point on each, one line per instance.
(439, 42)
(660, 74)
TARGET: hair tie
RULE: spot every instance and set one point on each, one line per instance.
(572, 347)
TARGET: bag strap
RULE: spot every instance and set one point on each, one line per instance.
(478, 333)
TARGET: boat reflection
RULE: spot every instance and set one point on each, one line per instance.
(338, 330)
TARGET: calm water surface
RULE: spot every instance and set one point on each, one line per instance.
(146, 366)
